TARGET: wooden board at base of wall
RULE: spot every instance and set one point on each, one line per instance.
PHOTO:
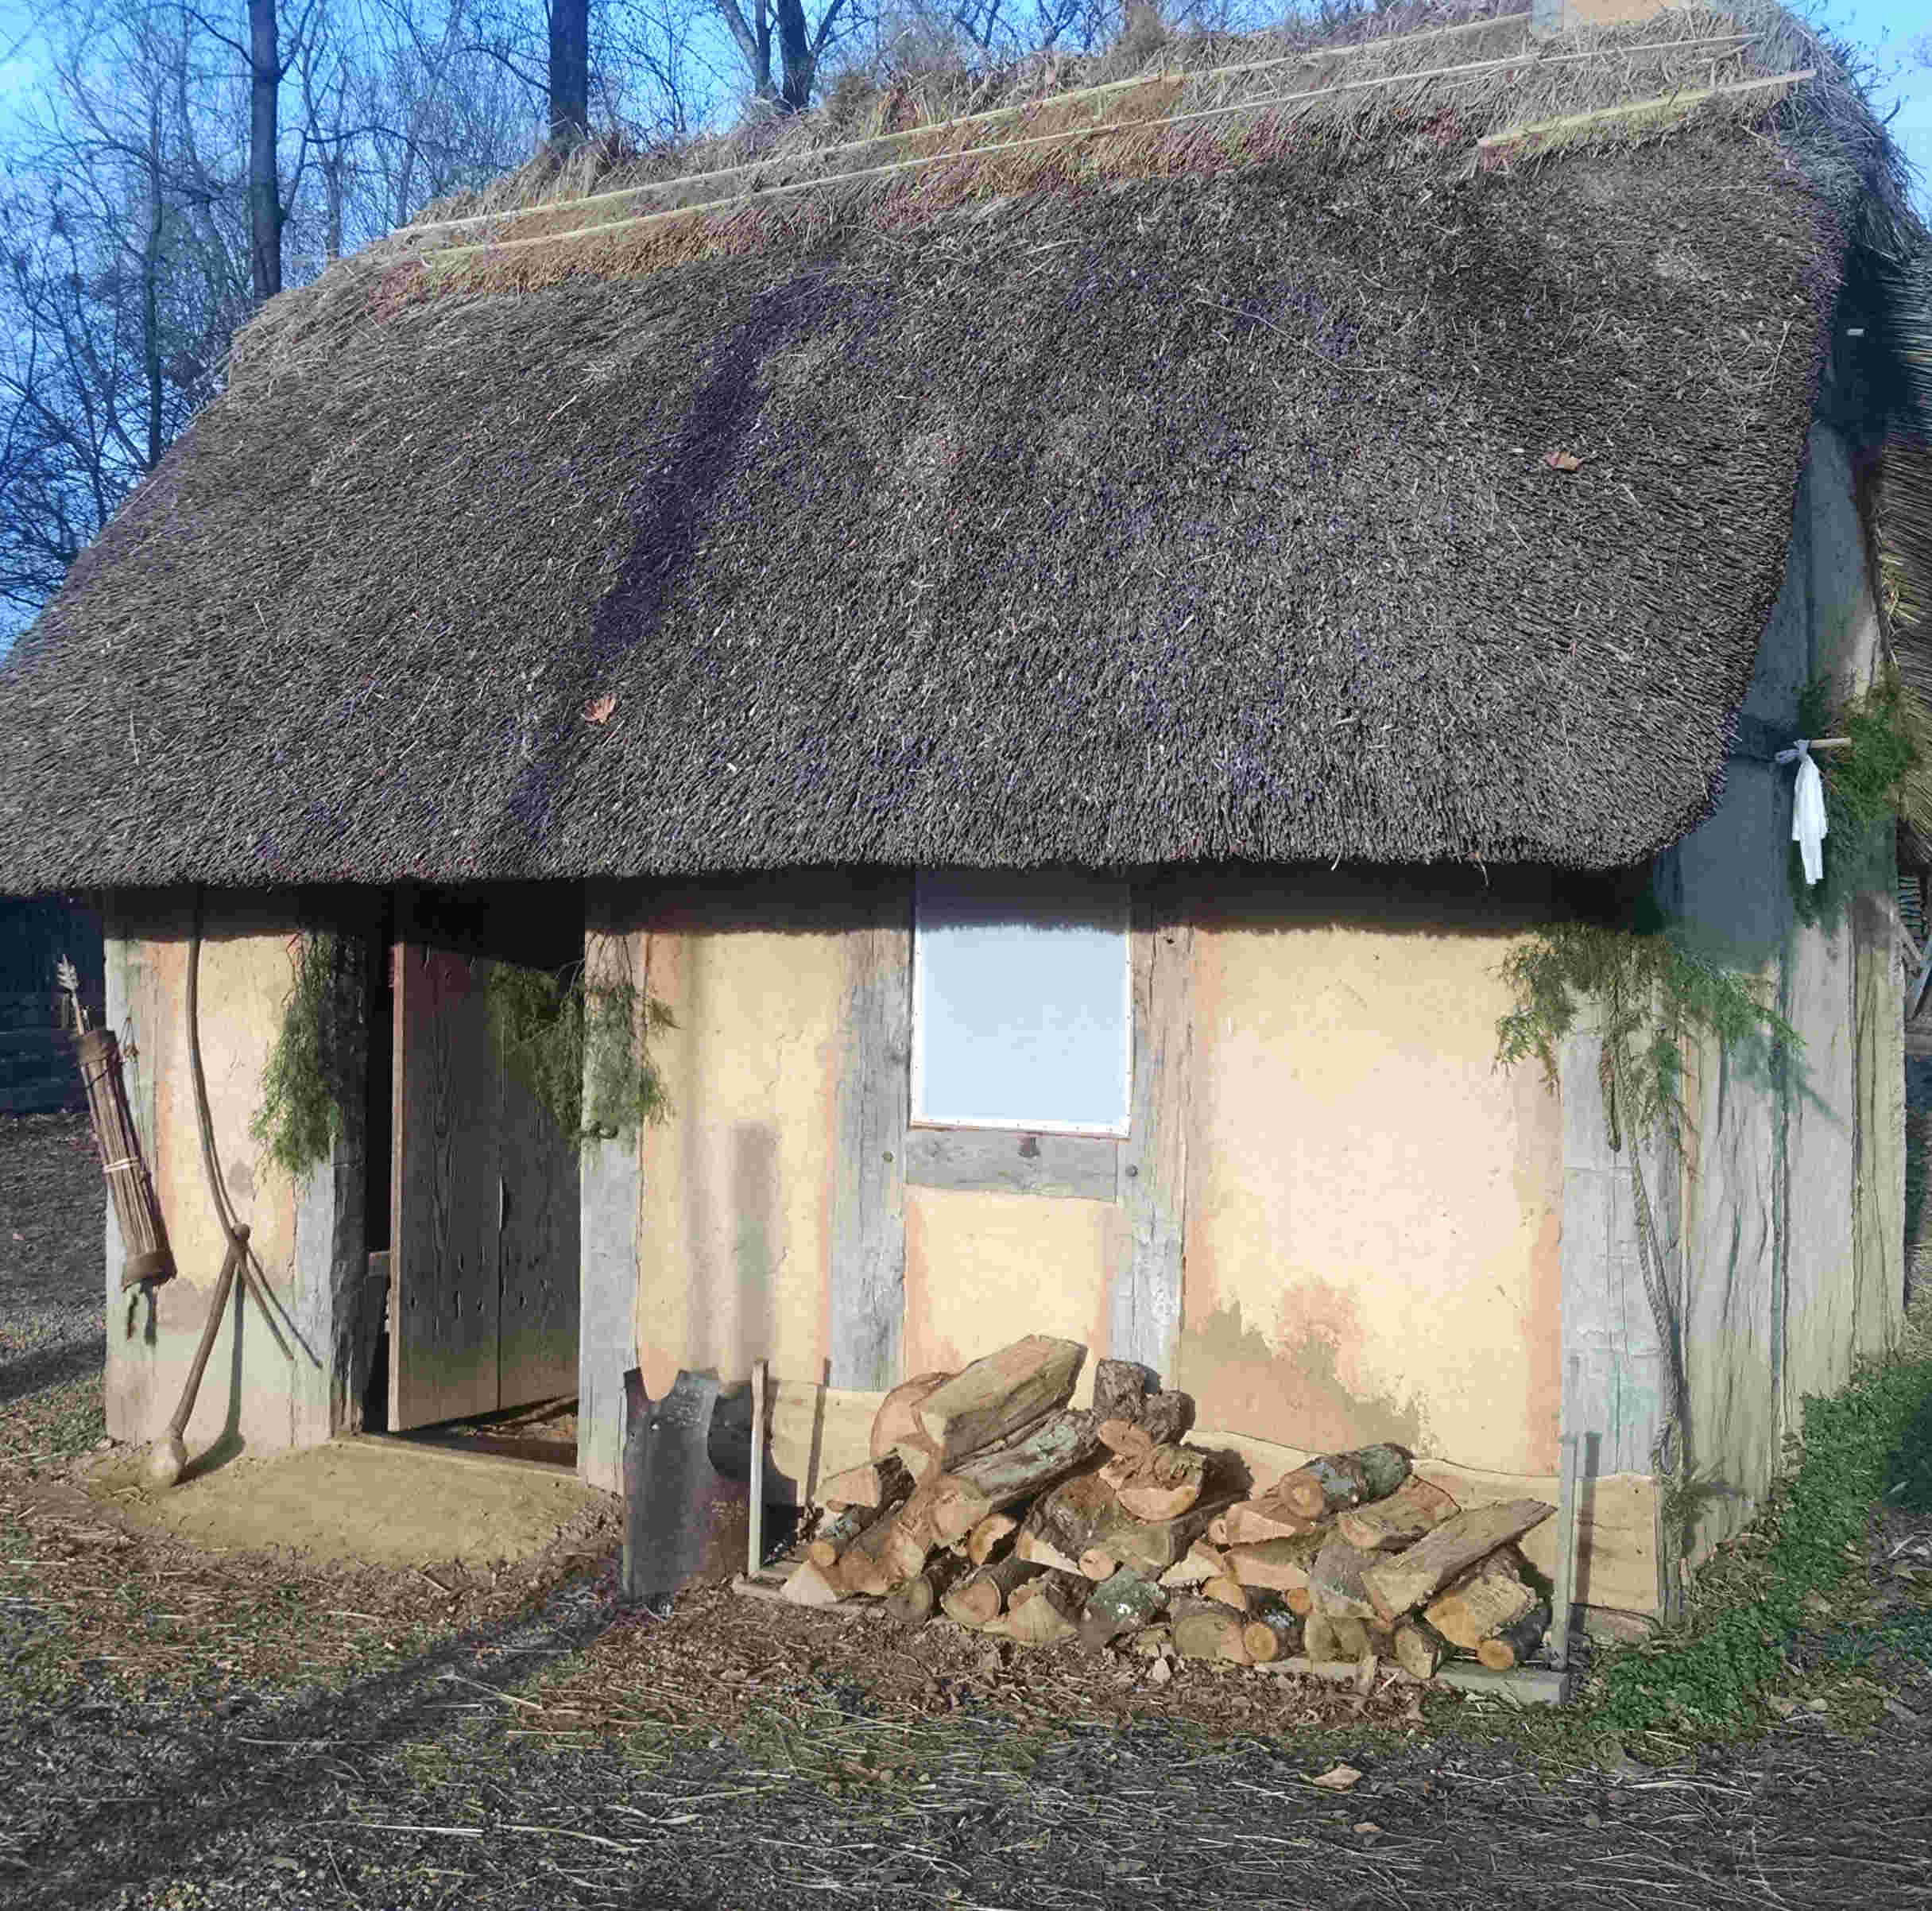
(818, 1431)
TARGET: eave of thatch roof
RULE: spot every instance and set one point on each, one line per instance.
(1160, 495)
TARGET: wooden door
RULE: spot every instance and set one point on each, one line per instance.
(484, 1265)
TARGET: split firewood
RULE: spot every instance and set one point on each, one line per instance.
(1335, 1580)
(810, 1585)
(1404, 1581)
(861, 1567)
(914, 1600)
(1043, 1612)
(1120, 1389)
(1038, 1551)
(1389, 1525)
(837, 1535)
(1160, 1483)
(910, 1541)
(1203, 1631)
(982, 1596)
(995, 1400)
(1517, 1640)
(992, 1538)
(1083, 1513)
(1277, 1565)
(1250, 1521)
(1226, 1590)
(1419, 1650)
(894, 1420)
(1480, 1602)
(1330, 1638)
(1159, 1421)
(1333, 1481)
(1003, 1476)
(878, 1482)
(1121, 1604)
(1272, 1632)
(1216, 1529)
(1202, 1560)
(1097, 1563)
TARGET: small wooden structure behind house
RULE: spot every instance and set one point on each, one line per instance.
(1065, 648)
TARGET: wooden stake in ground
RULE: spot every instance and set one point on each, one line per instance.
(1516, 1640)
(1334, 1481)
(1480, 1603)
(998, 1398)
(1389, 1525)
(982, 1597)
(1401, 1583)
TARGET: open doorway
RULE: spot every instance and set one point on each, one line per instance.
(481, 1230)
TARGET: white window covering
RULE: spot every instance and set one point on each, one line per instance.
(1022, 1002)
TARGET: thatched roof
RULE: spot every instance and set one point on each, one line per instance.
(1382, 453)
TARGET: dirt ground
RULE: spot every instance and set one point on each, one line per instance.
(386, 1502)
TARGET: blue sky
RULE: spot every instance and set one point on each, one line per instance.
(1892, 30)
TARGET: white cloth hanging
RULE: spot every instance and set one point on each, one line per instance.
(1809, 827)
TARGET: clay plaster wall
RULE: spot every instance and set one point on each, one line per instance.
(1373, 1209)
(272, 1380)
(735, 1188)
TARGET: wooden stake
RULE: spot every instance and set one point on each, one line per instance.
(754, 1530)
(1565, 1530)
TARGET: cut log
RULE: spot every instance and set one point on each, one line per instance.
(1403, 1581)
(861, 1567)
(1202, 1560)
(1331, 1638)
(992, 1538)
(1224, 1589)
(1516, 1640)
(1029, 1545)
(999, 1398)
(1334, 1481)
(1419, 1649)
(894, 1421)
(1299, 1600)
(1389, 1525)
(1273, 1633)
(1120, 1389)
(1277, 1565)
(837, 1535)
(1083, 1513)
(1160, 1483)
(1204, 1630)
(879, 1482)
(1159, 1421)
(1121, 1604)
(1216, 1529)
(1097, 1563)
(913, 1602)
(1335, 1580)
(810, 1585)
(1044, 1612)
(982, 1596)
(910, 1541)
(1251, 1521)
(1480, 1602)
(990, 1482)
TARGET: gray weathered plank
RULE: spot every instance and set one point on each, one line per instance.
(610, 1194)
(1003, 1161)
(868, 1253)
(1144, 1288)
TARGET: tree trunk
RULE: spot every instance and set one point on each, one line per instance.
(150, 294)
(798, 64)
(264, 206)
(570, 73)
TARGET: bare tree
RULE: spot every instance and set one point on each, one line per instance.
(569, 72)
(781, 45)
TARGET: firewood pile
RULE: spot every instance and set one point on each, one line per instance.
(990, 1500)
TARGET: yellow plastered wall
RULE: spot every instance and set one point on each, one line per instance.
(735, 1246)
(1373, 1210)
(983, 1269)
